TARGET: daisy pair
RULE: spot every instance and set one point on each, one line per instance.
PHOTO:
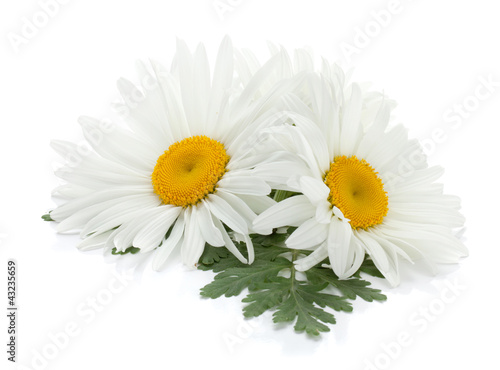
(202, 149)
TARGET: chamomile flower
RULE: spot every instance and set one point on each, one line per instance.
(179, 175)
(364, 187)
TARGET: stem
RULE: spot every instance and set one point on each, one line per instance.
(295, 253)
(281, 195)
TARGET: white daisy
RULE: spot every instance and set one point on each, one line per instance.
(181, 167)
(365, 188)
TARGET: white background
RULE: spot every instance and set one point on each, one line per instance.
(429, 56)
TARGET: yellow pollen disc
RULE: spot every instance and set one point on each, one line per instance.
(189, 170)
(357, 191)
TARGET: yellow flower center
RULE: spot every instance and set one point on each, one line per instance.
(189, 170)
(357, 191)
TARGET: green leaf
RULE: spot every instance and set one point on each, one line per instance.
(217, 259)
(233, 280)
(132, 250)
(309, 317)
(351, 288)
(267, 297)
(211, 255)
(47, 217)
(272, 284)
(368, 267)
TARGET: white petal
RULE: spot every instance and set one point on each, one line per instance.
(289, 212)
(200, 92)
(115, 146)
(355, 257)
(120, 213)
(339, 241)
(144, 112)
(96, 199)
(410, 251)
(307, 153)
(375, 250)
(304, 264)
(308, 235)
(437, 246)
(390, 268)
(224, 212)
(374, 133)
(351, 127)
(422, 213)
(228, 242)
(314, 189)
(324, 212)
(150, 236)
(175, 239)
(239, 206)
(315, 139)
(280, 171)
(250, 250)
(416, 180)
(255, 83)
(210, 233)
(184, 63)
(222, 80)
(94, 242)
(258, 204)
(64, 148)
(244, 185)
(193, 245)
(124, 235)
(176, 122)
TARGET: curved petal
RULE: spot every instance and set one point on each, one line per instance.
(223, 211)
(375, 250)
(314, 189)
(308, 235)
(228, 242)
(94, 242)
(289, 212)
(244, 185)
(338, 243)
(313, 259)
(175, 239)
(193, 244)
(257, 204)
(150, 236)
(210, 233)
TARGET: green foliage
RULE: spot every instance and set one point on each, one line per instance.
(132, 250)
(273, 284)
(213, 255)
(47, 217)
(369, 268)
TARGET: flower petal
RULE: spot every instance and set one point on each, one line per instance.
(223, 211)
(210, 233)
(339, 241)
(314, 189)
(289, 212)
(175, 239)
(309, 234)
(152, 235)
(319, 254)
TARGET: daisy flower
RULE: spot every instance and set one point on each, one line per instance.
(364, 187)
(179, 175)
